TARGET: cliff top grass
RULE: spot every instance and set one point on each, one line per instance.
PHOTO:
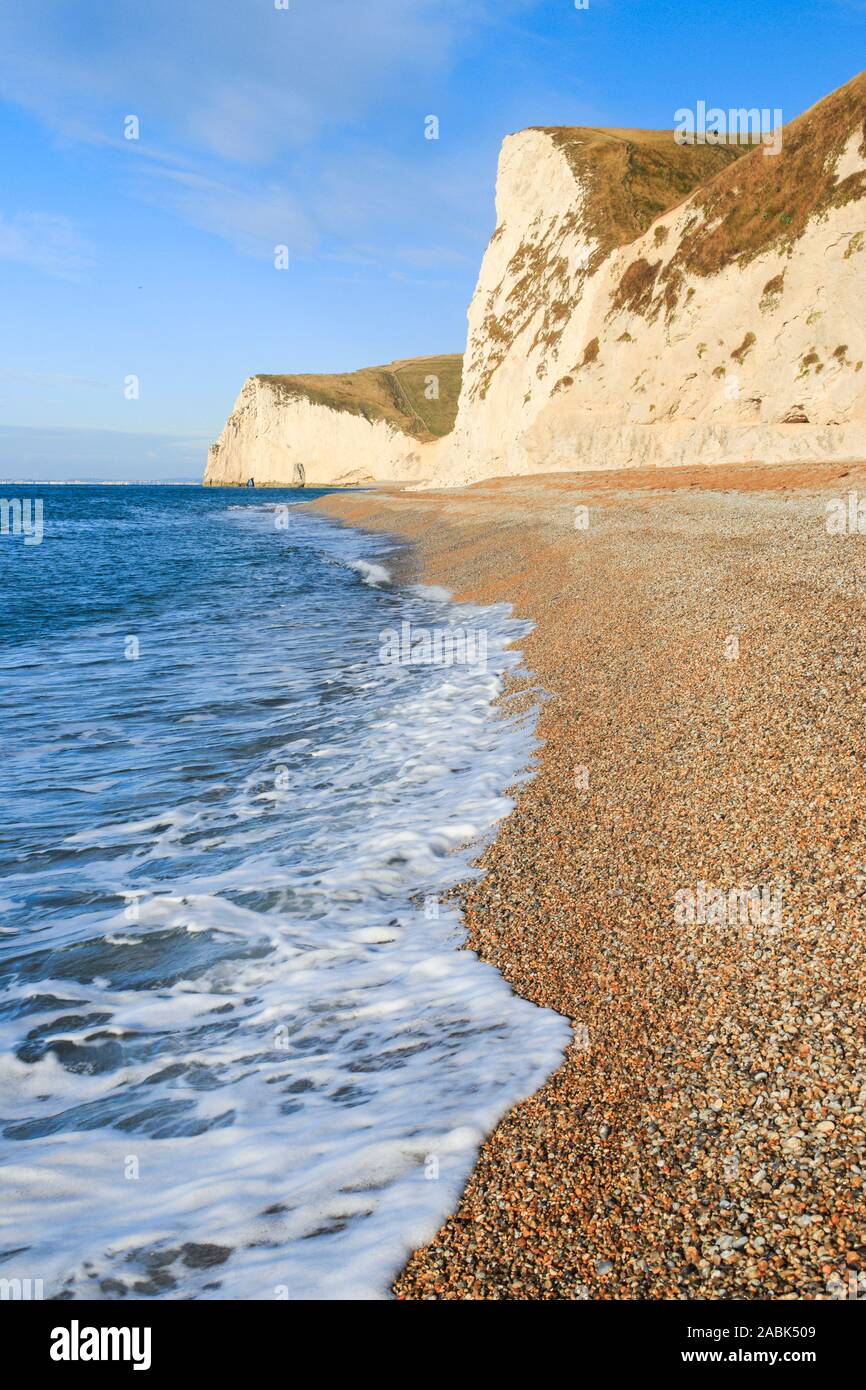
(762, 204)
(417, 395)
(634, 176)
(765, 202)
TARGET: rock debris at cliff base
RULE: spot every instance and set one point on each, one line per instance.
(705, 1136)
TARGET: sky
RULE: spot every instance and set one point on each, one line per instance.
(138, 284)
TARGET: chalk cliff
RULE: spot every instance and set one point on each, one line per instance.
(374, 424)
(640, 302)
(730, 328)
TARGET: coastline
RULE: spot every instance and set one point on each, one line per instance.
(704, 1136)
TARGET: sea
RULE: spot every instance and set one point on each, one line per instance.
(243, 1054)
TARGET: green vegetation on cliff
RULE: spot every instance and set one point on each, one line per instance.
(417, 395)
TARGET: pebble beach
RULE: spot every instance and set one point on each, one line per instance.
(684, 879)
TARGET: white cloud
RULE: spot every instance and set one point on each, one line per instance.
(237, 79)
(266, 127)
(253, 219)
(46, 242)
(246, 111)
(40, 380)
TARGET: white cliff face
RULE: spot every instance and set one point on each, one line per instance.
(761, 363)
(284, 442)
(627, 366)
(535, 265)
(537, 260)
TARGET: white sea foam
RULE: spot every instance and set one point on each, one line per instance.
(434, 591)
(371, 573)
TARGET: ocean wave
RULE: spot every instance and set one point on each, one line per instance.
(371, 573)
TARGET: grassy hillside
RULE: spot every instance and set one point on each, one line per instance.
(402, 393)
(767, 202)
(635, 175)
(762, 204)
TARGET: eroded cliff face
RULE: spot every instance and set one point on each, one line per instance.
(280, 442)
(730, 328)
(376, 424)
(640, 302)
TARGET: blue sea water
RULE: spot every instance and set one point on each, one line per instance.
(241, 1052)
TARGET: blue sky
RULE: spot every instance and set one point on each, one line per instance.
(305, 127)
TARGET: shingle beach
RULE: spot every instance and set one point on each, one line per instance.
(684, 878)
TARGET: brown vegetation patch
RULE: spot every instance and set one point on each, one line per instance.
(671, 295)
(590, 354)
(772, 293)
(739, 354)
(808, 361)
(635, 289)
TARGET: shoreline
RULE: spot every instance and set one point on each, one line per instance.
(704, 1136)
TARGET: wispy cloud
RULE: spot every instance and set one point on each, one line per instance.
(46, 242)
(241, 105)
(40, 380)
(253, 218)
(238, 79)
